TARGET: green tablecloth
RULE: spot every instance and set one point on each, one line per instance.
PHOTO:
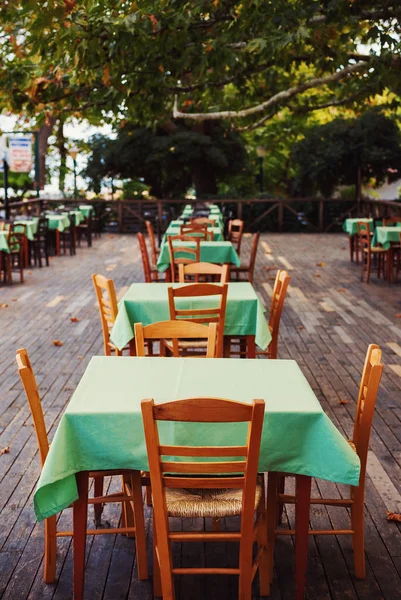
(86, 210)
(350, 226)
(78, 214)
(174, 229)
(31, 227)
(213, 252)
(4, 241)
(387, 235)
(102, 425)
(147, 303)
(60, 222)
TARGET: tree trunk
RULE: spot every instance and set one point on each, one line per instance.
(63, 155)
(44, 132)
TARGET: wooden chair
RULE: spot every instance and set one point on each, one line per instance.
(201, 232)
(247, 269)
(40, 244)
(235, 231)
(175, 331)
(85, 230)
(151, 273)
(194, 271)
(152, 240)
(391, 221)
(14, 259)
(365, 245)
(202, 221)
(130, 497)
(278, 297)
(108, 309)
(213, 314)
(190, 489)
(365, 408)
(182, 254)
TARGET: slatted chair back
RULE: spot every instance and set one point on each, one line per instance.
(145, 258)
(279, 294)
(364, 237)
(108, 309)
(211, 314)
(183, 254)
(31, 390)
(202, 221)
(235, 232)
(194, 271)
(252, 257)
(199, 232)
(365, 407)
(176, 331)
(167, 473)
(391, 221)
(152, 241)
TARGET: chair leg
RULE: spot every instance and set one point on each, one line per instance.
(358, 538)
(148, 495)
(281, 490)
(272, 493)
(157, 584)
(127, 516)
(141, 556)
(245, 571)
(264, 578)
(98, 491)
(50, 549)
(80, 517)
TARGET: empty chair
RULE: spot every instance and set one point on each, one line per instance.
(201, 232)
(365, 408)
(365, 245)
(154, 252)
(108, 309)
(389, 221)
(247, 269)
(175, 331)
(14, 259)
(235, 231)
(229, 487)
(276, 309)
(215, 312)
(130, 497)
(202, 221)
(203, 271)
(40, 244)
(150, 272)
(188, 251)
(85, 230)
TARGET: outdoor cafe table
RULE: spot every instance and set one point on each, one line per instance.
(148, 303)
(4, 241)
(350, 226)
(78, 214)
(31, 227)
(387, 235)
(174, 229)
(58, 222)
(101, 428)
(212, 252)
(86, 210)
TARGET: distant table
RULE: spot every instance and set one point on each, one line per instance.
(4, 241)
(58, 222)
(78, 214)
(148, 303)
(212, 252)
(350, 226)
(86, 210)
(174, 229)
(31, 227)
(386, 236)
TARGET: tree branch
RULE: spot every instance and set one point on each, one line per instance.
(276, 99)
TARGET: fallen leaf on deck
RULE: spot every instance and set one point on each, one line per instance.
(57, 343)
(270, 268)
(74, 319)
(5, 450)
(398, 316)
(268, 252)
(343, 248)
(271, 279)
(29, 272)
(14, 299)
(110, 236)
(391, 516)
(341, 290)
(111, 267)
(343, 401)
(321, 264)
(3, 305)
(80, 357)
(300, 327)
(317, 274)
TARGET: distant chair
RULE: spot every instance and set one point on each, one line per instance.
(202, 221)
(279, 293)
(108, 309)
(14, 259)
(203, 271)
(235, 232)
(175, 331)
(187, 252)
(151, 273)
(389, 221)
(365, 245)
(85, 230)
(201, 232)
(40, 243)
(152, 241)
(247, 269)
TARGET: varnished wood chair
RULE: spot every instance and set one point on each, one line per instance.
(174, 332)
(247, 269)
(365, 409)
(130, 497)
(365, 245)
(183, 254)
(150, 273)
(390, 221)
(211, 314)
(235, 232)
(203, 270)
(152, 240)
(14, 259)
(189, 489)
(200, 232)
(108, 309)
(202, 221)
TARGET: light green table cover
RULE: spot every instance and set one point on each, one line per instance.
(386, 236)
(60, 222)
(78, 214)
(31, 227)
(102, 425)
(86, 210)
(213, 252)
(4, 241)
(174, 229)
(148, 303)
(350, 226)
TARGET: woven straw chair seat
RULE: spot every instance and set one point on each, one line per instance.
(212, 503)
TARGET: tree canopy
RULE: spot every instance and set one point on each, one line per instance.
(116, 59)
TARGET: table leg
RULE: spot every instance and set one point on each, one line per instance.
(57, 242)
(302, 506)
(251, 346)
(80, 516)
(389, 259)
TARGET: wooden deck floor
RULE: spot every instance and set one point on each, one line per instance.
(329, 319)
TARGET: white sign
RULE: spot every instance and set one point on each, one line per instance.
(20, 154)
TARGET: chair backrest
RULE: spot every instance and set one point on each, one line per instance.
(213, 314)
(31, 390)
(370, 381)
(364, 236)
(15, 237)
(200, 232)
(108, 309)
(145, 258)
(279, 293)
(235, 231)
(202, 269)
(175, 331)
(391, 221)
(152, 241)
(168, 472)
(252, 257)
(43, 227)
(202, 221)
(183, 254)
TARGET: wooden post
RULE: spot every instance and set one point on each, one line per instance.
(159, 221)
(280, 216)
(321, 215)
(239, 211)
(120, 216)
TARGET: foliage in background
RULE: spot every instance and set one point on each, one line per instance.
(20, 183)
